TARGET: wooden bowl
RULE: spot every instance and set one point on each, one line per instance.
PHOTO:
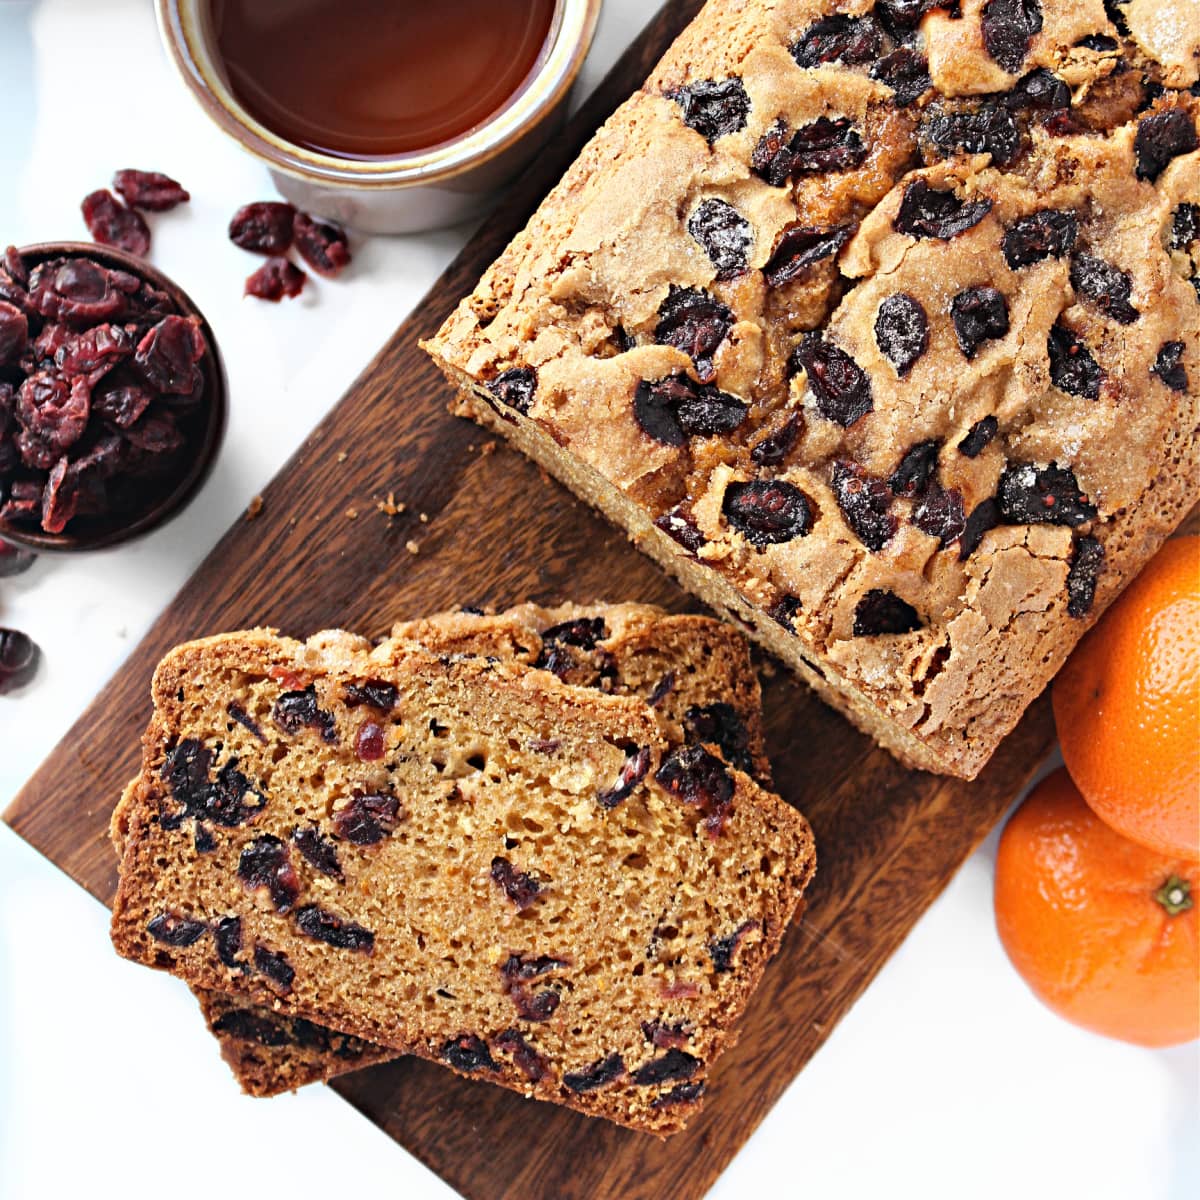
(165, 497)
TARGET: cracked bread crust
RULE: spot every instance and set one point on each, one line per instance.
(366, 953)
(900, 370)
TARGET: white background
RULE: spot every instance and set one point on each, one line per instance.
(946, 1080)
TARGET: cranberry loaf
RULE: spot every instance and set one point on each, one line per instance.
(694, 673)
(877, 324)
(456, 856)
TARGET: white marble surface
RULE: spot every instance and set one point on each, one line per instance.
(947, 1079)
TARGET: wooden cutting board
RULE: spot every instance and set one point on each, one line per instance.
(498, 532)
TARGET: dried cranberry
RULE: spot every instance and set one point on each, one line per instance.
(988, 129)
(823, 145)
(900, 15)
(902, 331)
(839, 38)
(915, 469)
(1043, 234)
(169, 352)
(1030, 495)
(865, 503)
(366, 819)
(666, 1036)
(54, 410)
(334, 931)
(979, 314)
(249, 1026)
(1185, 228)
(839, 385)
(321, 244)
(978, 437)
(680, 526)
(19, 655)
(79, 292)
(1105, 286)
(225, 801)
(149, 190)
(14, 332)
(228, 937)
(373, 692)
(524, 1056)
(800, 246)
(600, 1073)
(941, 515)
(14, 266)
(294, 711)
(515, 388)
(520, 887)
(265, 865)
(60, 497)
(1168, 366)
(318, 851)
(369, 743)
(120, 403)
(725, 234)
(275, 966)
(1087, 561)
(14, 560)
(681, 1093)
(662, 689)
(469, 1053)
(984, 516)
(112, 224)
(264, 228)
(1072, 367)
(274, 280)
(583, 633)
(174, 930)
(1040, 90)
(767, 512)
(719, 725)
(1008, 27)
(775, 447)
(926, 212)
(785, 610)
(243, 718)
(883, 612)
(1160, 138)
(696, 323)
(633, 771)
(713, 108)
(1098, 42)
(675, 1064)
(155, 434)
(724, 950)
(697, 778)
(673, 409)
(906, 72)
(94, 352)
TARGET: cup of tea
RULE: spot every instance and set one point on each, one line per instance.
(387, 117)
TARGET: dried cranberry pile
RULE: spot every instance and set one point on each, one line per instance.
(273, 228)
(100, 391)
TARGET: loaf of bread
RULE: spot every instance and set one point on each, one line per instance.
(876, 324)
(355, 852)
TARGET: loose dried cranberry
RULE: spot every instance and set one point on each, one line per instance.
(1044, 234)
(672, 409)
(839, 38)
(1008, 27)
(916, 469)
(520, 887)
(121, 403)
(19, 655)
(174, 930)
(980, 314)
(1106, 286)
(724, 950)
(265, 865)
(321, 244)
(515, 388)
(822, 145)
(800, 246)
(775, 447)
(902, 331)
(149, 190)
(1168, 366)
(275, 279)
(228, 936)
(249, 1026)
(1160, 138)
(1185, 228)
(697, 778)
(865, 503)
(696, 323)
(1072, 367)
(294, 711)
(882, 612)
(600, 1073)
(978, 437)
(264, 228)
(681, 1093)
(675, 1064)
(906, 72)
(767, 512)
(112, 224)
(524, 1056)
(719, 725)
(785, 610)
(373, 692)
(725, 235)
(369, 742)
(334, 931)
(839, 385)
(681, 527)
(941, 515)
(1030, 495)
(14, 332)
(1041, 91)
(926, 212)
(1087, 561)
(169, 352)
(318, 851)
(713, 108)
(275, 966)
(469, 1053)
(366, 819)
(633, 771)
(984, 516)
(14, 560)
(988, 129)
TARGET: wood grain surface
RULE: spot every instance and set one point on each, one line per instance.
(888, 839)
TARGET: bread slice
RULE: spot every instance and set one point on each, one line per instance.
(524, 880)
